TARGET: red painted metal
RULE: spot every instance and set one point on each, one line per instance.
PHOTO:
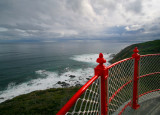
(70, 103)
(136, 57)
(149, 92)
(106, 85)
(149, 74)
(101, 70)
(149, 55)
(110, 66)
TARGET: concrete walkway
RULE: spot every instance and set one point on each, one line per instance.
(149, 107)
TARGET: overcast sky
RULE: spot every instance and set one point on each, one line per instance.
(79, 19)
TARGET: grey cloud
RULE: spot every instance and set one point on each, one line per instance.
(45, 19)
(134, 6)
(22, 26)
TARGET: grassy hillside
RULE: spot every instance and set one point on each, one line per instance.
(46, 102)
(150, 47)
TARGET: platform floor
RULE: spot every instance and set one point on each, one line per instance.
(149, 107)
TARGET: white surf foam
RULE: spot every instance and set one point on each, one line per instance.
(47, 80)
(91, 58)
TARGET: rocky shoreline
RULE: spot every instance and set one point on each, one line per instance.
(64, 84)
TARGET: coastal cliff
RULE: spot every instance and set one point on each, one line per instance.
(150, 47)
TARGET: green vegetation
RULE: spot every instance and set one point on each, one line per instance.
(46, 102)
(150, 47)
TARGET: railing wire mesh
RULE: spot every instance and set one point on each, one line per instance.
(120, 81)
(89, 102)
(149, 65)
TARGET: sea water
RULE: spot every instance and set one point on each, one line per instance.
(26, 67)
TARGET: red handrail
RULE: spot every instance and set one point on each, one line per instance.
(70, 103)
(149, 92)
(110, 66)
(149, 55)
(149, 74)
(116, 63)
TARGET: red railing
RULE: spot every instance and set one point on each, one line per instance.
(116, 87)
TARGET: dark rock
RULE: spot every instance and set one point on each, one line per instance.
(63, 84)
(72, 76)
(77, 82)
(59, 82)
(78, 85)
(88, 78)
(1, 97)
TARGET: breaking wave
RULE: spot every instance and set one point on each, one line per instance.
(91, 58)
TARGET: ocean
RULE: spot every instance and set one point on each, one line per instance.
(26, 67)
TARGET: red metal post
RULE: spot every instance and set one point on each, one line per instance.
(102, 71)
(136, 57)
